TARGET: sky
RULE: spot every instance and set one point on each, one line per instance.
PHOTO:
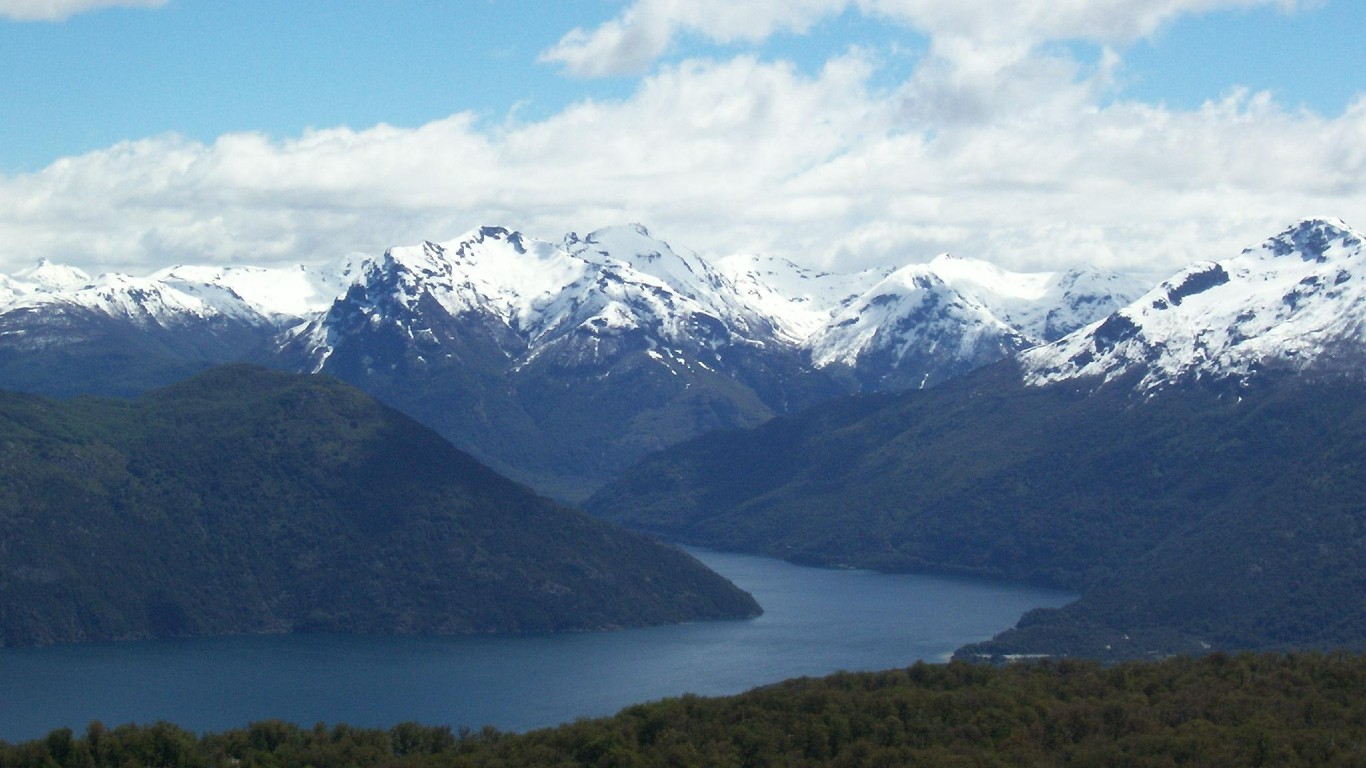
(1138, 135)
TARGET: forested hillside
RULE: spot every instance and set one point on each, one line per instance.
(1207, 516)
(245, 500)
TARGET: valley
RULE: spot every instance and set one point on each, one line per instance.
(655, 383)
(1185, 459)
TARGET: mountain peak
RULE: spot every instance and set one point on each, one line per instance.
(1313, 239)
(48, 276)
(632, 244)
(501, 234)
(625, 241)
(1296, 303)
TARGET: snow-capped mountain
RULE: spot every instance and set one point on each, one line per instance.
(1297, 302)
(172, 297)
(557, 361)
(1043, 306)
(800, 301)
(561, 362)
(281, 295)
(46, 277)
(576, 301)
(923, 323)
(493, 275)
(911, 330)
(63, 332)
(585, 300)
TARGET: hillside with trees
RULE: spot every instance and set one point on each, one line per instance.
(1205, 516)
(245, 500)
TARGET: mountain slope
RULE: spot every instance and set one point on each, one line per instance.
(64, 333)
(1042, 306)
(1187, 518)
(556, 364)
(559, 363)
(251, 501)
(912, 330)
(1296, 303)
(1191, 464)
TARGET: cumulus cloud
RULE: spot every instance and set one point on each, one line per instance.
(646, 29)
(1105, 21)
(57, 10)
(630, 43)
(1032, 163)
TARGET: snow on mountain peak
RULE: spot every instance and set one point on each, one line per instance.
(633, 245)
(48, 277)
(1042, 305)
(280, 294)
(917, 327)
(144, 301)
(1296, 302)
(1315, 239)
(489, 269)
(980, 277)
(801, 301)
(619, 288)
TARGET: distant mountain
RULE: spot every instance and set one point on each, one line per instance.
(63, 332)
(245, 500)
(1191, 465)
(912, 330)
(116, 335)
(1296, 303)
(907, 328)
(556, 363)
(559, 363)
(1042, 306)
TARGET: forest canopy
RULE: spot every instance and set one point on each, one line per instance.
(1219, 710)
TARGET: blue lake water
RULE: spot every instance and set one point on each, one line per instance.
(816, 621)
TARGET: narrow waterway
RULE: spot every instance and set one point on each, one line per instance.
(816, 621)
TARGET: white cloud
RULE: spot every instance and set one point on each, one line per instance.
(1032, 21)
(630, 43)
(57, 10)
(646, 29)
(1028, 161)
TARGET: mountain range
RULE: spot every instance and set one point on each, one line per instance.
(1186, 458)
(1191, 464)
(559, 363)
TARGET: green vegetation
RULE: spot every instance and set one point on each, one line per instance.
(245, 500)
(1205, 517)
(1296, 710)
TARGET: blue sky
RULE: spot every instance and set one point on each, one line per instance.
(188, 98)
(202, 68)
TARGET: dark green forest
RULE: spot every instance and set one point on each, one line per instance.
(245, 500)
(1210, 516)
(1219, 710)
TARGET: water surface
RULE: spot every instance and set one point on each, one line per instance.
(816, 621)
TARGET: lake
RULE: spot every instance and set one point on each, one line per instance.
(816, 621)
